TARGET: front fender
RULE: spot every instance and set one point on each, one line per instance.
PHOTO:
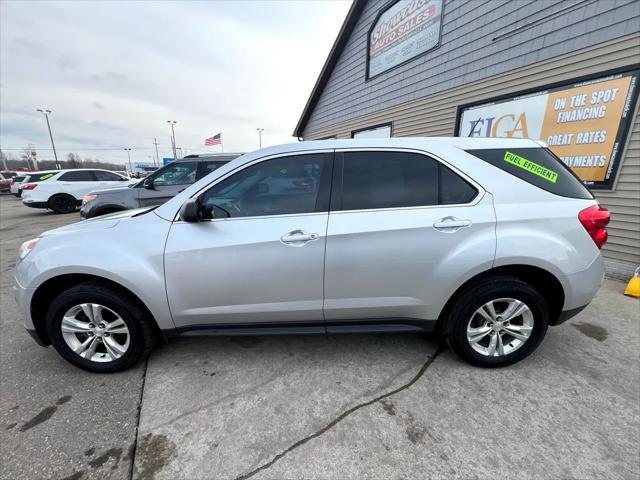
(129, 254)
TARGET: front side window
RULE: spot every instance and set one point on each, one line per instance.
(107, 176)
(207, 167)
(180, 173)
(281, 186)
(388, 180)
(77, 176)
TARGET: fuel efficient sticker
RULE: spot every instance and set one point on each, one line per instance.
(530, 166)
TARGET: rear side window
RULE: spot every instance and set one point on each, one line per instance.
(77, 176)
(39, 177)
(373, 180)
(537, 166)
(387, 180)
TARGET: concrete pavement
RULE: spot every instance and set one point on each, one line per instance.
(316, 407)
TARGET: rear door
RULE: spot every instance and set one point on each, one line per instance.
(167, 183)
(403, 229)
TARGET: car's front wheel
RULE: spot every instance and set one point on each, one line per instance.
(497, 322)
(99, 328)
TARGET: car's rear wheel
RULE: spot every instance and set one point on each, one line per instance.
(99, 328)
(62, 203)
(497, 322)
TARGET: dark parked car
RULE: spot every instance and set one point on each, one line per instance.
(157, 188)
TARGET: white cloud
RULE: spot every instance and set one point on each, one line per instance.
(114, 72)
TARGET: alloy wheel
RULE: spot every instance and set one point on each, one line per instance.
(500, 327)
(95, 332)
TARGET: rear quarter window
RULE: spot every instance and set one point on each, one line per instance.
(537, 166)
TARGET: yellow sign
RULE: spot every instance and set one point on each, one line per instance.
(585, 124)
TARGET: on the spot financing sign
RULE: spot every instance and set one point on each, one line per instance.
(585, 124)
(404, 30)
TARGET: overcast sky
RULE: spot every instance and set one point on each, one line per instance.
(114, 72)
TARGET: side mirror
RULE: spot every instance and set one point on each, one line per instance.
(191, 211)
(148, 183)
(122, 179)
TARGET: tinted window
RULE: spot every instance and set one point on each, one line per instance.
(77, 176)
(537, 166)
(179, 173)
(454, 189)
(8, 174)
(280, 186)
(387, 180)
(103, 176)
(18, 178)
(39, 177)
(207, 167)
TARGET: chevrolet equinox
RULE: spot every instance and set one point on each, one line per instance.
(485, 241)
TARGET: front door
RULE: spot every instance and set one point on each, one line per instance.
(258, 256)
(403, 228)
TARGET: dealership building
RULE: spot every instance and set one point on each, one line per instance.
(565, 72)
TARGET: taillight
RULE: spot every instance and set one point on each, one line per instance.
(29, 186)
(594, 219)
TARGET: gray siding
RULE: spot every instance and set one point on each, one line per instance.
(468, 53)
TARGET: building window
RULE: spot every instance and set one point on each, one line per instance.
(380, 131)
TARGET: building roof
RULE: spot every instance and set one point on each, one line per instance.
(345, 31)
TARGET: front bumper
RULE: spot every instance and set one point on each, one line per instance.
(23, 298)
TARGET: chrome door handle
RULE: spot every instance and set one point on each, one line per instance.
(451, 224)
(297, 238)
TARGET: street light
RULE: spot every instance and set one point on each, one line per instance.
(173, 137)
(46, 116)
(260, 130)
(128, 150)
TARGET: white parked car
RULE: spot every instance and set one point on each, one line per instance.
(14, 184)
(62, 192)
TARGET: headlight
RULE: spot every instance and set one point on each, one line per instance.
(26, 247)
(88, 198)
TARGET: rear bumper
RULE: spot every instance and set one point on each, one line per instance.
(34, 204)
(568, 314)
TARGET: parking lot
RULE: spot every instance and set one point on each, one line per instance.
(334, 407)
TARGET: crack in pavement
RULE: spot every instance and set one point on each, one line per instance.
(342, 416)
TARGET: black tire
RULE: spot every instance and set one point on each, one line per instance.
(141, 340)
(62, 203)
(472, 298)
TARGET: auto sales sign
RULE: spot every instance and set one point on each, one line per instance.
(585, 123)
(403, 31)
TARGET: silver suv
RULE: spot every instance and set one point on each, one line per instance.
(484, 241)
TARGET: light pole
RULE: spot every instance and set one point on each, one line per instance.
(260, 130)
(173, 137)
(46, 116)
(128, 150)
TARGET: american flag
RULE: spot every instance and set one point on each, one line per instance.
(215, 140)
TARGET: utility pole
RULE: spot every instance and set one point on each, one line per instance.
(155, 142)
(128, 150)
(260, 130)
(173, 138)
(46, 116)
